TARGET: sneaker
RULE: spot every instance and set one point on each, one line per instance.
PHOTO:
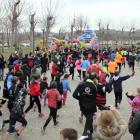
(118, 105)
(17, 137)
(14, 131)
(2, 124)
(43, 130)
(24, 114)
(41, 115)
(81, 119)
(56, 124)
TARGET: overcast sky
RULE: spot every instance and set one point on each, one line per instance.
(118, 11)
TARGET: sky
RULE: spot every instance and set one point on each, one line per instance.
(117, 12)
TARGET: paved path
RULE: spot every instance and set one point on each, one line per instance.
(69, 114)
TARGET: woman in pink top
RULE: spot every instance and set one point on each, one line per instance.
(135, 102)
(77, 64)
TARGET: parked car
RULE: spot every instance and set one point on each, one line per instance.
(6, 45)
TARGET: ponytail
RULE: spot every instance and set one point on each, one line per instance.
(35, 77)
(109, 132)
(34, 68)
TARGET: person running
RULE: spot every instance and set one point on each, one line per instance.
(112, 68)
(71, 68)
(123, 61)
(101, 57)
(16, 115)
(44, 63)
(117, 85)
(84, 65)
(86, 94)
(66, 88)
(13, 93)
(95, 68)
(77, 64)
(118, 60)
(34, 95)
(54, 69)
(53, 96)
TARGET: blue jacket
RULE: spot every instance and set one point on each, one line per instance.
(117, 83)
(9, 81)
(66, 85)
(85, 64)
(112, 56)
(15, 62)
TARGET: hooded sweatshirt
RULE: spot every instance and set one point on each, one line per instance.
(117, 82)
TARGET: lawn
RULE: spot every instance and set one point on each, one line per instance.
(7, 52)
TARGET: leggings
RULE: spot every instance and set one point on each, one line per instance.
(52, 76)
(72, 73)
(32, 100)
(64, 97)
(119, 64)
(16, 118)
(123, 64)
(118, 98)
(132, 65)
(53, 112)
(88, 124)
(79, 71)
(84, 72)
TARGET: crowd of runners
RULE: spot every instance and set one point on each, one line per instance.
(27, 76)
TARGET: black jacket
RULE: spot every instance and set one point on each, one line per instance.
(2, 63)
(11, 60)
(86, 94)
(26, 73)
(44, 61)
(131, 59)
(25, 61)
(43, 85)
(13, 93)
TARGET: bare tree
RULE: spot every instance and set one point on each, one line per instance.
(32, 41)
(52, 15)
(81, 23)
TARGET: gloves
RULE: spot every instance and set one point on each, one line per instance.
(42, 96)
(132, 74)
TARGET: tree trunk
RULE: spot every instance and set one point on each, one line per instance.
(2, 42)
(72, 35)
(15, 39)
(48, 31)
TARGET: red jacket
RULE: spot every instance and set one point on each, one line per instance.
(35, 89)
(54, 69)
(95, 68)
(108, 57)
(101, 55)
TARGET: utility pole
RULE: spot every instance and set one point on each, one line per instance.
(48, 29)
(32, 22)
(72, 26)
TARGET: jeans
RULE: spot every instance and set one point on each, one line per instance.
(2, 73)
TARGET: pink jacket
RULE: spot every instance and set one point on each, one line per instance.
(135, 103)
(78, 65)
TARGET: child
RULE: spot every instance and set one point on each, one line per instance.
(66, 87)
(134, 101)
(68, 134)
(117, 84)
(101, 100)
(34, 94)
(16, 114)
(71, 66)
(43, 87)
(13, 93)
(53, 96)
(123, 61)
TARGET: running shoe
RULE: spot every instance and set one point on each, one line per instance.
(81, 119)
(17, 137)
(56, 124)
(41, 115)
(43, 130)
